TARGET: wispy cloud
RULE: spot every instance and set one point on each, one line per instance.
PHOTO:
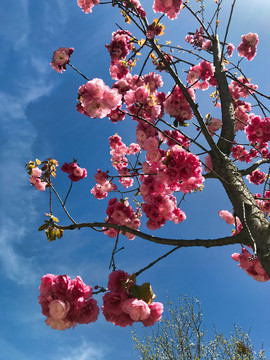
(17, 212)
(86, 351)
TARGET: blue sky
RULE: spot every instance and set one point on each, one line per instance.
(39, 120)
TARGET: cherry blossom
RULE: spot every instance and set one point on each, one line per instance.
(66, 302)
(248, 47)
(251, 265)
(61, 58)
(169, 7)
(75, 172)
(87, 5)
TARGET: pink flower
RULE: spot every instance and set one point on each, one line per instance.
(156, 310)
(120, 45)
(61, 58)
(58, 309)
(248, 46)
(59, 324)
(36, 172)
(40, 185)
(230, 48)
(169, 7)
(66, 302)
(45, 287)
(215, 125)
(116, 281)
(87, 5)
(97, 100)
(138, 310)
(228, 217)
(75, 172)
(251, 265)
(256, 177)
(88, 313)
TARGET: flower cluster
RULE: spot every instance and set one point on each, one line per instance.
(66, 302)
(256, 177)
(238, 90)
(241, 154)
(166, 172)
(96, 99)
(136, 6)
(264, 204)
(35, 179)
(214, 125)
(230, 48)
(248, 47)
(231, 220)
(120, 213)
(122, 307)
(87, 5)
(202, 75)
(176, 105)
(120, 45)
(103, 186)
(75, 173)
(197, 40)
(169, 7)
(258, 129)
(61, 58)
(155, 29)
(251, 265)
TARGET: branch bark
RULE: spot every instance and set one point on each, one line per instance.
(228, 240)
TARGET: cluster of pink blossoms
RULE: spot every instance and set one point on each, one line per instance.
(176, 105)
(214, 125)
(241, 108)
(248, 47)
(202, 75)
(251, 265)
(75, 173)
(258, 129)
(136, 6)
(96, 99)
(87, 5)
(36, 181)
(166, 172)
(119, 151)
(230, 48)
(231, 220)
(61, 58)
(198, 40)
(240, 153)
(169, 7)
(66, 302)
(120, 45)
(264, 204)
(103, 185)
(120, 213)
(121, 308)
(256, 177)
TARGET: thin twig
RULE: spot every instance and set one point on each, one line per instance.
(157, 260)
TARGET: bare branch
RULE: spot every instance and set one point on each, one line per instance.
(228, 240)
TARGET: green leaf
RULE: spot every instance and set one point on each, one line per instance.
(43, 227)
(143, 292)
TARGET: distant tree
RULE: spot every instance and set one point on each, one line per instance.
(181, 335)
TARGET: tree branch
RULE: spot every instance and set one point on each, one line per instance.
(254, 166)
(228, 240)
(228, 120)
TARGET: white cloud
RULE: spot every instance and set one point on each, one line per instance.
(85, 351)
(17, 212)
